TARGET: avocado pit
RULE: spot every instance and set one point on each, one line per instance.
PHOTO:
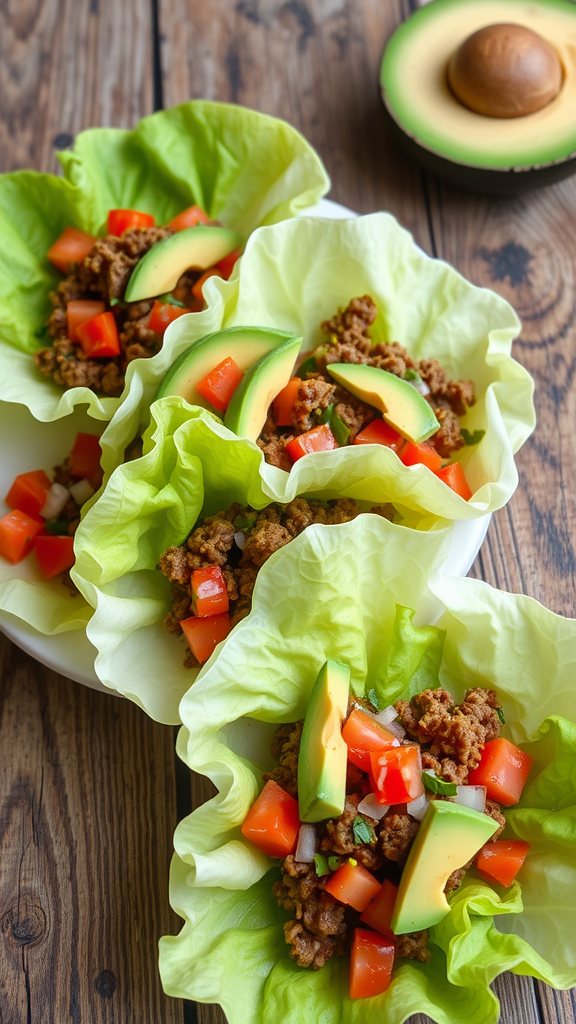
(505, 70)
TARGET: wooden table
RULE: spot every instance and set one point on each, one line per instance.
(90, 789)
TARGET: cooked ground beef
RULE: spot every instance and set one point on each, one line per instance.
(319, 929)
(103, 276)
(285, 747)
(264, 532)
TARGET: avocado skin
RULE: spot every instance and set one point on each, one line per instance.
(160, 268)
(323, 756)
(448, 836)
(402, 407)
(248, 408)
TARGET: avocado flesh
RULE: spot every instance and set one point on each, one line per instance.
(323, 756)
(448, 836)
(245, 345)
(248, 408)
(401, 405)
(416, 94)
(162, 266)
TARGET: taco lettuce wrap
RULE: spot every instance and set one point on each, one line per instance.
(341, 602)
(242, 167)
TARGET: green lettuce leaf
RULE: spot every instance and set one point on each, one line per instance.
(339, 601)
(243, 167)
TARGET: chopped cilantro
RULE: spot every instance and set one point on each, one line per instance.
(340, 430)
(244, 522)
(321, 864)
(363, 832)
(374, 699)
(334, 862)
(501, 716)
(413, 376)
(57, 526)
(307, 366)
(327, 414)
(115, 302)
(473, 438)
(169, 298)
(439, 786)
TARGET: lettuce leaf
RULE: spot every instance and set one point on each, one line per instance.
(339, 602)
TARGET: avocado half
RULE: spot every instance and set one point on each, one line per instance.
(489, 154)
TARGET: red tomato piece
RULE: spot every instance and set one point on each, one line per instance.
(120, 221)
(218, 386)
(284, 402)
(54, 554)
(379, 432)
(502, 859)
(17, 533)
(453, 475)
(28, 492)
(73, 246)
(353, 884)
(378, 913)
(202, 635)
(371, 961)
(421, 454)
(319, 439)
(503, 769)
(397, 774)
(197, 288)
(78, 311)
(85, 459)
(272, 823)
(99, 336)
(362, 734)
(209, 592)
(163, 313)
(227, 263)
(189, 218)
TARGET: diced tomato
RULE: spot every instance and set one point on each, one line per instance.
(453, 475)
(28, 492)
(120, 221)
(202, 635)
(272, 823)
(17, 533)
(99, 336)
(54, 554)
(362, 734)
(371, 961)
(379, 432)
(502, 859)
(397, 774)
(218, 386)
(163, 313)
(197, 288)
(378, 913)
(319, 439)
(420, 454)
(209, 592)
(503, 769)
(353, 884)
(73, 246)
(284, 402)
(227, 263)
(189, 218)
(78, 311)
(85, 459)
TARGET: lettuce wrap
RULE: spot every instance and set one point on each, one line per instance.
(191, 467)
(242, 167)
(341, 601)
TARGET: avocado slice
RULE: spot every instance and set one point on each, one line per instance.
(248, 408)
(401, 405)
(160, 268)
(448, 836)
(323, 756)
(245, 345)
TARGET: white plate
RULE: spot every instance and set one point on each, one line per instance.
(28, 444)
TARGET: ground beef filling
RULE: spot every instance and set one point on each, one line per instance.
(103, 276)
(321, 926)
(217, 542)
(348, 341)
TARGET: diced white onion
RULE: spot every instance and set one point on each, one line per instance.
(470, 796)
(420, 386)
(370, 806)
(56, 499)
(396, 729)
(240, 540)
(306, 847)
(386, 716)
(418, 807)
(81, 491)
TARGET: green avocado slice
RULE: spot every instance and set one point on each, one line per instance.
(248, 408)
(323, 756)
(160, 268)
(401, 405)
(245, 345)
(448, 836)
